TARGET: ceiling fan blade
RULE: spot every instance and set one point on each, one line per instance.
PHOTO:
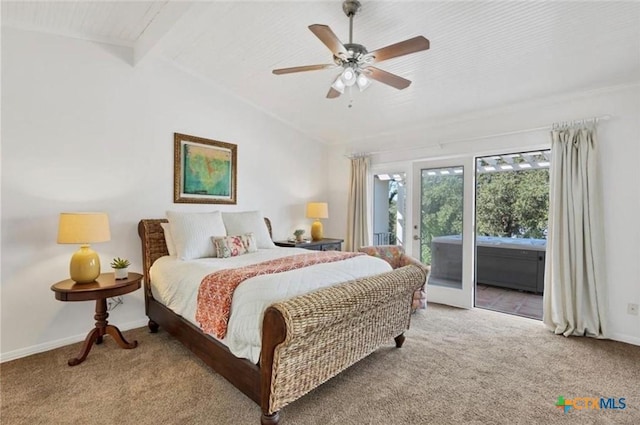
(333, 93)
(303, 68)
(402, 48)
(324, 33)
(387, 78)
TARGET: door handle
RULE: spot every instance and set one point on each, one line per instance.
(416, 237)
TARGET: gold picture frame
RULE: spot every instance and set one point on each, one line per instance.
(204, 170)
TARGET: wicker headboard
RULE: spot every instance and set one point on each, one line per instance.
(153, 243)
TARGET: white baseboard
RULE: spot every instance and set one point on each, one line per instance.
(626, 338)
(39, 348)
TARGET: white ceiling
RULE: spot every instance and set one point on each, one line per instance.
(483, 54)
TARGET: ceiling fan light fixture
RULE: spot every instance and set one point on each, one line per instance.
(356, 60)
(348, 76)
(338, 85)
(363, 82)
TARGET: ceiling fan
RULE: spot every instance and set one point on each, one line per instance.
(354, 59)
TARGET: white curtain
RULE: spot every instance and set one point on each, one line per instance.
(357, 219)
(574, 287)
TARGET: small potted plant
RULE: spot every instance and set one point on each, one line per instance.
(120, 267)
(298, 234)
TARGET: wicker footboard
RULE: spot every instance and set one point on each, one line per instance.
(329, 330)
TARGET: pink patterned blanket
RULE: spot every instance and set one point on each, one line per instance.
(216, 289)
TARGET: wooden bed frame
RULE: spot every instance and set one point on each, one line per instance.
(306, 340)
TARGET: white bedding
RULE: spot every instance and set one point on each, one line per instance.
(175, 284)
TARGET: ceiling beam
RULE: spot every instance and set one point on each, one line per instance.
(158, 28)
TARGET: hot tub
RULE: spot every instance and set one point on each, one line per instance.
(515, 263)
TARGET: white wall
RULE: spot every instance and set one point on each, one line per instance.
(82, 130)
(620, 152)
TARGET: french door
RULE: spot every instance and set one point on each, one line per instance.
(443, 228)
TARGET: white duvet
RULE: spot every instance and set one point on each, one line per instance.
(175, 284)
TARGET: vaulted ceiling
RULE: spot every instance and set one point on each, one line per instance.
(483, 54)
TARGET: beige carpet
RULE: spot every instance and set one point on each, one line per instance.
(457, 367)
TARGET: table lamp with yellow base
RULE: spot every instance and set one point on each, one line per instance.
(84, 228)
(317, 210)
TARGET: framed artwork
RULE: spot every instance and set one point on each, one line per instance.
(204, 170)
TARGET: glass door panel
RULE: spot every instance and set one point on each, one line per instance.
(512, 204)
(442, 233)
(441, 224)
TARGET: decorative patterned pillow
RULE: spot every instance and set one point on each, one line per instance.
(232, 246)
(249, 241)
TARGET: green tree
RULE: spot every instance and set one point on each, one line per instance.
(513, 204)
(442, 203)
(393, 210)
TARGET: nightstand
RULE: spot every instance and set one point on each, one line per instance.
(321, 245)
(105, 286)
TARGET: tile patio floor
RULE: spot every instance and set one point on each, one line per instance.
(509, 301)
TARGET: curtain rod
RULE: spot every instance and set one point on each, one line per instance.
(489, 136)
(359, 155)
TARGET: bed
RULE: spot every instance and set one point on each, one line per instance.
(305, 340)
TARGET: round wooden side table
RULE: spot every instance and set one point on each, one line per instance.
(105, 286)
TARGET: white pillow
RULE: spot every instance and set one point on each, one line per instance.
(239, 223)
(192, 233)
(168, 239)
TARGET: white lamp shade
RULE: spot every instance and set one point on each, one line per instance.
(363, 82)
(317, 210)
(349, 77)
(83, 228)
(338, 85)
